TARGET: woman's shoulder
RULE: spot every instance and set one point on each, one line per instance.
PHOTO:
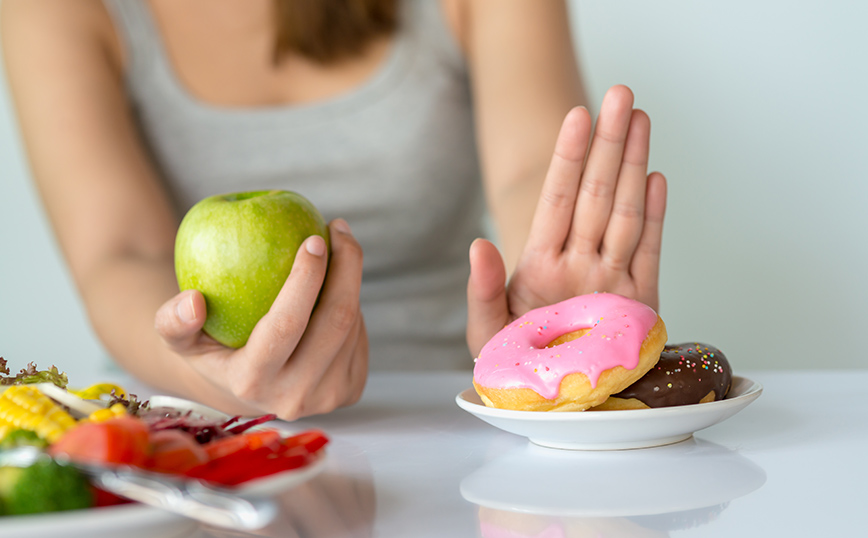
(472, 23)
(58, 26)
(78, 14)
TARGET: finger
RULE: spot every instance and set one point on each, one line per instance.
(337, 312)
(277, 334)
(180, 319)
(487, 306)
(554, 211)
(597, 187)
(328, 337)
(628, 210)
(646, 262)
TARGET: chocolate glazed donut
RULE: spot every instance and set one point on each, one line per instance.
(686, 374)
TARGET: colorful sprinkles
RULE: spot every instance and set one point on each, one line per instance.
(685, 374)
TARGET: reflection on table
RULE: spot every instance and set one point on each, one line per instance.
(339, 501)
(531, 491)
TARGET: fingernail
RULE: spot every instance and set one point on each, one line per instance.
(342, 226)
(185, 309)
(315, 245)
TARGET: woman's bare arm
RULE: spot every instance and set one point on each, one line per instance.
(110, 216)
(116, 228)
(525, 79)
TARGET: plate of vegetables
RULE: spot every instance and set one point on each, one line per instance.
(104, 425)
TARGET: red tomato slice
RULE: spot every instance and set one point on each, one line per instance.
(174, 451)
(123, 440)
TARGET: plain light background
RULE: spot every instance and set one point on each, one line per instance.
(758, 121)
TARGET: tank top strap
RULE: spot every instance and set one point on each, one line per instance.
(138, 33)
(426, 20)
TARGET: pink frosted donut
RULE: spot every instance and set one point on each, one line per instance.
(569, 356)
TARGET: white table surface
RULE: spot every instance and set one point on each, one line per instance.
(407, 462)
(405, 459)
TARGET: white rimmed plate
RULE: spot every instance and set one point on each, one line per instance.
(614, 430)
(136, 520)
(127, 520)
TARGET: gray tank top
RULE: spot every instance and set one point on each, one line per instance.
(395, 157)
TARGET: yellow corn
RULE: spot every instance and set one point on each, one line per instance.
(94, 392)
(27, 408)
(101, 415)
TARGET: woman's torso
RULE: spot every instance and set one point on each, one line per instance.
(386, 143)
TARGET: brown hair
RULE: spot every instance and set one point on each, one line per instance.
(331, 30)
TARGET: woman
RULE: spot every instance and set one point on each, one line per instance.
(400, 118)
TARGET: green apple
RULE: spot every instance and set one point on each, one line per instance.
(237, 249)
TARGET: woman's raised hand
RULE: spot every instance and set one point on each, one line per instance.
(299, 360)
(598, 224)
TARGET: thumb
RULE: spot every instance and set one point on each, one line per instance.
(487, 305)
(180, 319)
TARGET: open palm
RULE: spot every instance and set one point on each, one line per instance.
(597, 227)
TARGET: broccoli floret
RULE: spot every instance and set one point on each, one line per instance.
(20, 437)
(45, 486)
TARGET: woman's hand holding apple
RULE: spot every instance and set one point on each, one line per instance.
(299, 360)
(597, 227)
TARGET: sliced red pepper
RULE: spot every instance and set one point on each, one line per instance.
(258, 456)
(258, 467)
(277, 465)
(255, 439)
(312, 441)
(226, 469)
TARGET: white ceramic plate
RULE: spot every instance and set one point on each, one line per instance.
(614, 430)
(138, 520)
(127, 520)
